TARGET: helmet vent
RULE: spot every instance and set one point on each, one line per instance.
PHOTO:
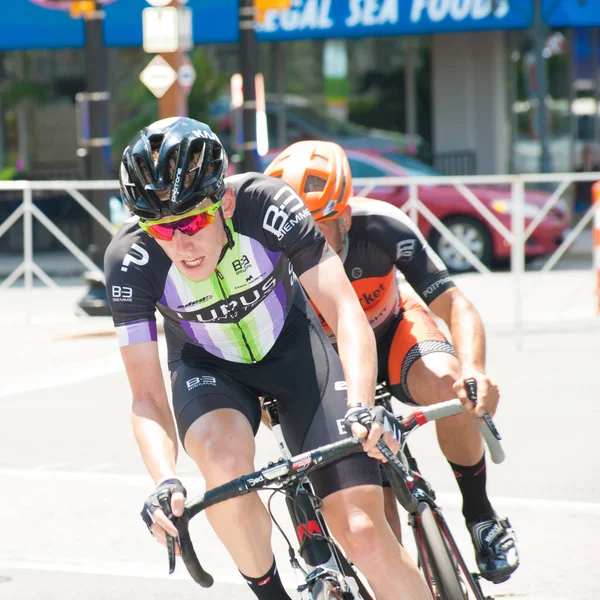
(314, 183)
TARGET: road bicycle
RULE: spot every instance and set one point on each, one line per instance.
(329, 574)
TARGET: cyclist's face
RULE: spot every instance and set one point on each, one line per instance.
(334, 230)
(196, 256)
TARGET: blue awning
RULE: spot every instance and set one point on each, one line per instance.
(571, 13)
(26, 25)
(29, 26)
(357, 18)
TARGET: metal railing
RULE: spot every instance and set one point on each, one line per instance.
(516, 237)
(28, 211)
(520, 230)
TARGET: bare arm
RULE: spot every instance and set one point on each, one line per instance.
(153, 425)
(151, 416)
(330, 290)
(468, 339)
(466, 328)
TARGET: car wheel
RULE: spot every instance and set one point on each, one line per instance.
(473, 234)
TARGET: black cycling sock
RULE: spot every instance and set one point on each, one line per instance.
(269, 586)
(471, 481)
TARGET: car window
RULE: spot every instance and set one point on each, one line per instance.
(325, 124)
(361, 168)
(413, 167)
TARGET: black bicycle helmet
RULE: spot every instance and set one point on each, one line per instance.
(170, 167)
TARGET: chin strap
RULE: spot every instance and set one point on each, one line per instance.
(230, 241)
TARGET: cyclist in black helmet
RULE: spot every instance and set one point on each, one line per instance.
(222, 261)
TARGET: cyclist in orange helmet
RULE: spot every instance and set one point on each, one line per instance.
(375, 241)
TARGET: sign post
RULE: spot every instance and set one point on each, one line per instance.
(167, 30)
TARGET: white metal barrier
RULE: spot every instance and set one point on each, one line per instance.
(516, 237)
(28, 210)
(518, 234)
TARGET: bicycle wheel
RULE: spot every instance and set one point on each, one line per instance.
(469, 582)
(436, 558)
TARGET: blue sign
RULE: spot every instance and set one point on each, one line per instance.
(26, 25)
(361, 18)
(29, 26)
(571, 13)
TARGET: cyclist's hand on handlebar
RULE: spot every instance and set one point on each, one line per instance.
(488, 394)
(370, 423)
(173, 493)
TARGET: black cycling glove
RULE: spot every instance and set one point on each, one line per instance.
(161, 498)
(366, 415)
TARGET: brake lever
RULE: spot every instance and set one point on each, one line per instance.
(165, 504)
(471, 389)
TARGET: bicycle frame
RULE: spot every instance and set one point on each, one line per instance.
(288, 472)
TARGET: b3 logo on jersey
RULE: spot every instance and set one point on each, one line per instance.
(241, 265)
(140, 260)
(281, 219)
(121, 293)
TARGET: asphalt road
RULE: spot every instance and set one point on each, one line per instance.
(72, 482)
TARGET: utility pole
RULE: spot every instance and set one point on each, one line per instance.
(175, 101)
(93, 123)
(167, 27)
(539, 35)
(248, 55)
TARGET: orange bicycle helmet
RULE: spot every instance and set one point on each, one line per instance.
(319, 173)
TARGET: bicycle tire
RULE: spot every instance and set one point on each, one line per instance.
(474, 591)
(436, 558)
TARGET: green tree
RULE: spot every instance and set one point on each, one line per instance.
(142, 105)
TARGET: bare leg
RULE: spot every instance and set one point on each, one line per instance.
(222, 445)
(390, 505)
(430, 381)
(356, 518)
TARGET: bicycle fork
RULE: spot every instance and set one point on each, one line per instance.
(309, 524)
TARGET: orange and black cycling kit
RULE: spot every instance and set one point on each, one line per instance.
(382, 240)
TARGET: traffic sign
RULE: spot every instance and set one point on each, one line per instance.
(167, 29)
(186, 74)
(160, 3)
(158, 76)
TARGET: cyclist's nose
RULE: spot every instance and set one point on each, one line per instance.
(182, 242)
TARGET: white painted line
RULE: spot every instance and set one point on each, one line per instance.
(103, 467)
(51, 466)
(139, 570)
(451, 500)
(130, 479)
(73, 372)
(590, 508)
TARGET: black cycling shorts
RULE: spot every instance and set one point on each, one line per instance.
(301, 371)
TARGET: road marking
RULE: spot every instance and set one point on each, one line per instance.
(51, 466)
(73, 372)
(589, 508)
(139, 570)
(450, 500)
(130, 479)
(104, 467)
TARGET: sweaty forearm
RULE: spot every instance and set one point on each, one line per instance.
(156, 437)
(358, 353)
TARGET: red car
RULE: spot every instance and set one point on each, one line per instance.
(453, 209)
